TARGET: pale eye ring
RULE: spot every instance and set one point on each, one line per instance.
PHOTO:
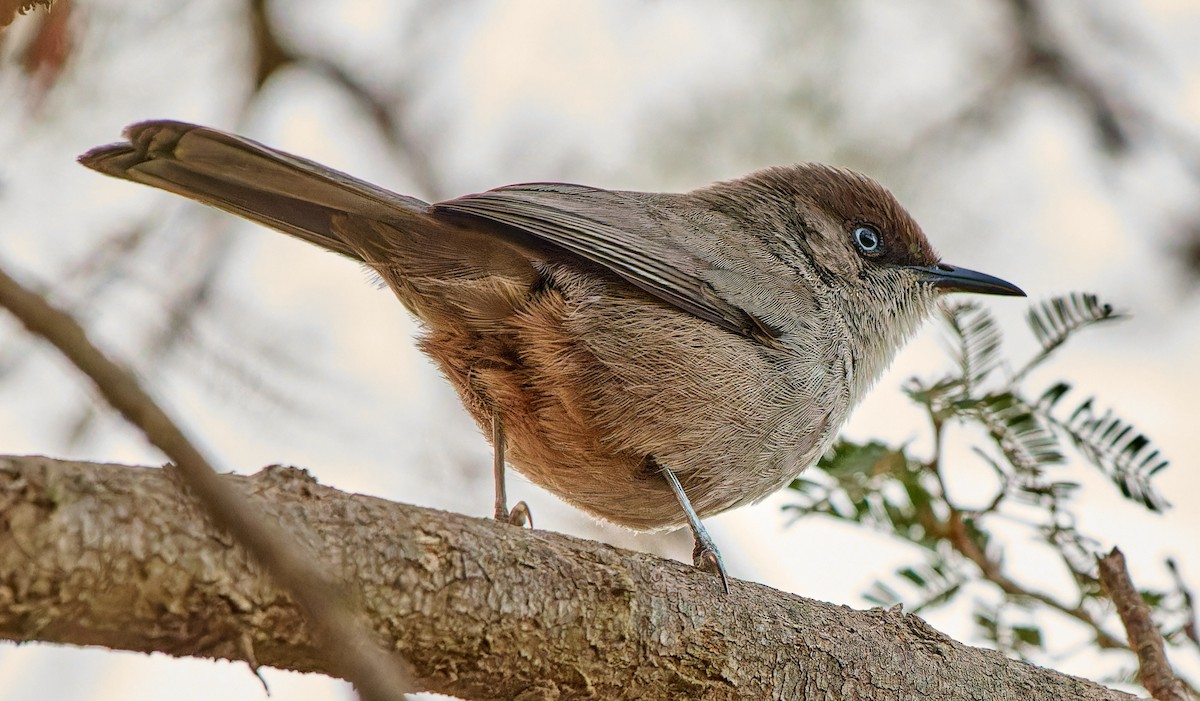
(868, 240)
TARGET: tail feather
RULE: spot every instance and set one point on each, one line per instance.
(243, 177)
(448, 273)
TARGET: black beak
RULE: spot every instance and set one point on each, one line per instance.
(949, 278)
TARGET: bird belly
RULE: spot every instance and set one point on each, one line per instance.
(597, 385)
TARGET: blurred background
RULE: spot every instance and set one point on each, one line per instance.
(1054, 143)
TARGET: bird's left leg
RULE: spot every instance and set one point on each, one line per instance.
(520, 515)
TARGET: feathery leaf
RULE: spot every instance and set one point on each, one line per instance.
(977, 342)
(1111, 444)
(1058, 318)
(1026, 441)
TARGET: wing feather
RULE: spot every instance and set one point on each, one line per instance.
(624, 235)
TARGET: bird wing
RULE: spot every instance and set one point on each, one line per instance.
(641, 243)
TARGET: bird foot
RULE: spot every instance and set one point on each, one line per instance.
(707, 558)
(519, 516)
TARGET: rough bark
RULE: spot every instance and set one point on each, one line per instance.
(111, 555)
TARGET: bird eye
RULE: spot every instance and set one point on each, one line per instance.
(868, 240)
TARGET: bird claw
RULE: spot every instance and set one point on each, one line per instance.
(520, 515)
(707, 558)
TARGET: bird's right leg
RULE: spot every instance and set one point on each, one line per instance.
(705, 555)
(520, 515)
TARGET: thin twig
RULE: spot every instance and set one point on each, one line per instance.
(992, 572)
(956, 534)
(1154, 671)
(352, 650)
(387, 112)
(1189, 606)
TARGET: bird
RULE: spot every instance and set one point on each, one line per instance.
(650, 358)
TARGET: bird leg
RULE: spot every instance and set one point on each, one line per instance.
(705, 555)
(520, 515)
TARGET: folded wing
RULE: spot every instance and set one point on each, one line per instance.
(623, 234)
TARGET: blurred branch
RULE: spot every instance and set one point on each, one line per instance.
(1121, 121)
(46, 51)
(192, 289)
(1154, 670)
(1188, 603)
(481, 610)
(77, 285)
(1040, 54)
(386, 111)
(351, 652)
(186, 302)
(1044, 56)
(9, 9)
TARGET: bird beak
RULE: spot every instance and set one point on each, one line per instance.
(950, 278)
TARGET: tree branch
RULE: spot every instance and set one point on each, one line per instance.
(1154, 671)
(109, 555)
(378, 676)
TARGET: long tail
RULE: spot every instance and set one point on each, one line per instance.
(282, 191)
(449, 274)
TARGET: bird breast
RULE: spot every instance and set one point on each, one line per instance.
(597, 385)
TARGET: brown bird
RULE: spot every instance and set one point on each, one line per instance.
(650, 358)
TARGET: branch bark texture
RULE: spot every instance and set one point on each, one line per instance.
(377, 677)
(111, 555)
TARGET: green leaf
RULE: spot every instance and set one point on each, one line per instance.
(1111, 444)
(1017, 639)
(867, 459)
(936, 581)
(882, 595)
(1033, 490)
(1027, 443)
(874, 485)
(977, 342)
(1153, 599)
(912, 575)
(987, 620)
(1027, 636)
